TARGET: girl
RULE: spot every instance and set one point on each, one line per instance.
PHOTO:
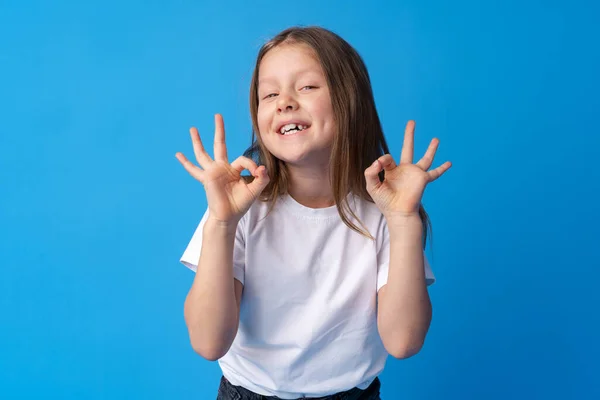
(311, 271)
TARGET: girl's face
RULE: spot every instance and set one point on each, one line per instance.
(293, 98)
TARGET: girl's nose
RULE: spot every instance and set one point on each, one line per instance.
(286, 103)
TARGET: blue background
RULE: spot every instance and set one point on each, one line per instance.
(95, 211)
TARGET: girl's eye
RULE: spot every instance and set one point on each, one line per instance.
(308, 87)
(270, 95)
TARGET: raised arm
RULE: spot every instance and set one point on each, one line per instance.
(212, 306)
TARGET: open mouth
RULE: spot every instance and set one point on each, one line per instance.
(291, 129)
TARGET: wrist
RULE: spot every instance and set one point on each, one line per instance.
(403, 226)
(403, 219)
(215, 226)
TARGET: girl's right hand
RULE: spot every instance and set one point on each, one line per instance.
(229, 196)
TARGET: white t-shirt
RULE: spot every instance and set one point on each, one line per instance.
(308, 315)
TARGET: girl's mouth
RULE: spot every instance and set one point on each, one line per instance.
(292, 129)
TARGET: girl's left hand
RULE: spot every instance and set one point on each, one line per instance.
(399, 195)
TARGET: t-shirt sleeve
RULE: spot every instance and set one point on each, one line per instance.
(191, 255)
(383, 259)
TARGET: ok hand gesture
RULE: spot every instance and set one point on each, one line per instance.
(399, 195)
(228, 194)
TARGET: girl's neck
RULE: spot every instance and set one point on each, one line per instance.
(311, 188)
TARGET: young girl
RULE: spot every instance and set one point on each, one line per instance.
(312, 271)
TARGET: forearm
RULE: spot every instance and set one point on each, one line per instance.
(404, 310)
(211, 310)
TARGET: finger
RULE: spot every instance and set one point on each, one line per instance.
(387, 162)
(372, 176)
(201, 156)
(261, 180)
(220, 148)
(425, 162)
(190, 167)
(439, 171)
(242, 163)
(409, 143)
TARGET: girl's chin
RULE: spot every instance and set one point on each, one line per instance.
(305, 160)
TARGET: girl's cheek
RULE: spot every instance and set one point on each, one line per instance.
(262, 125)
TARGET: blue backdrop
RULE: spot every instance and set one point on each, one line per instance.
(95, 211)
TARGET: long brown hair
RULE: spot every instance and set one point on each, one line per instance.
(359, 140)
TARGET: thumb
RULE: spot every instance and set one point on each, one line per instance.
(261, 180)
(372, 176)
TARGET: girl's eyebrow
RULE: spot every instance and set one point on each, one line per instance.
(297, 73)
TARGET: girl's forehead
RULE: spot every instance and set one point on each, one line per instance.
(288, 59)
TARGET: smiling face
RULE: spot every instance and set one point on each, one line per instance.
(293, 96)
